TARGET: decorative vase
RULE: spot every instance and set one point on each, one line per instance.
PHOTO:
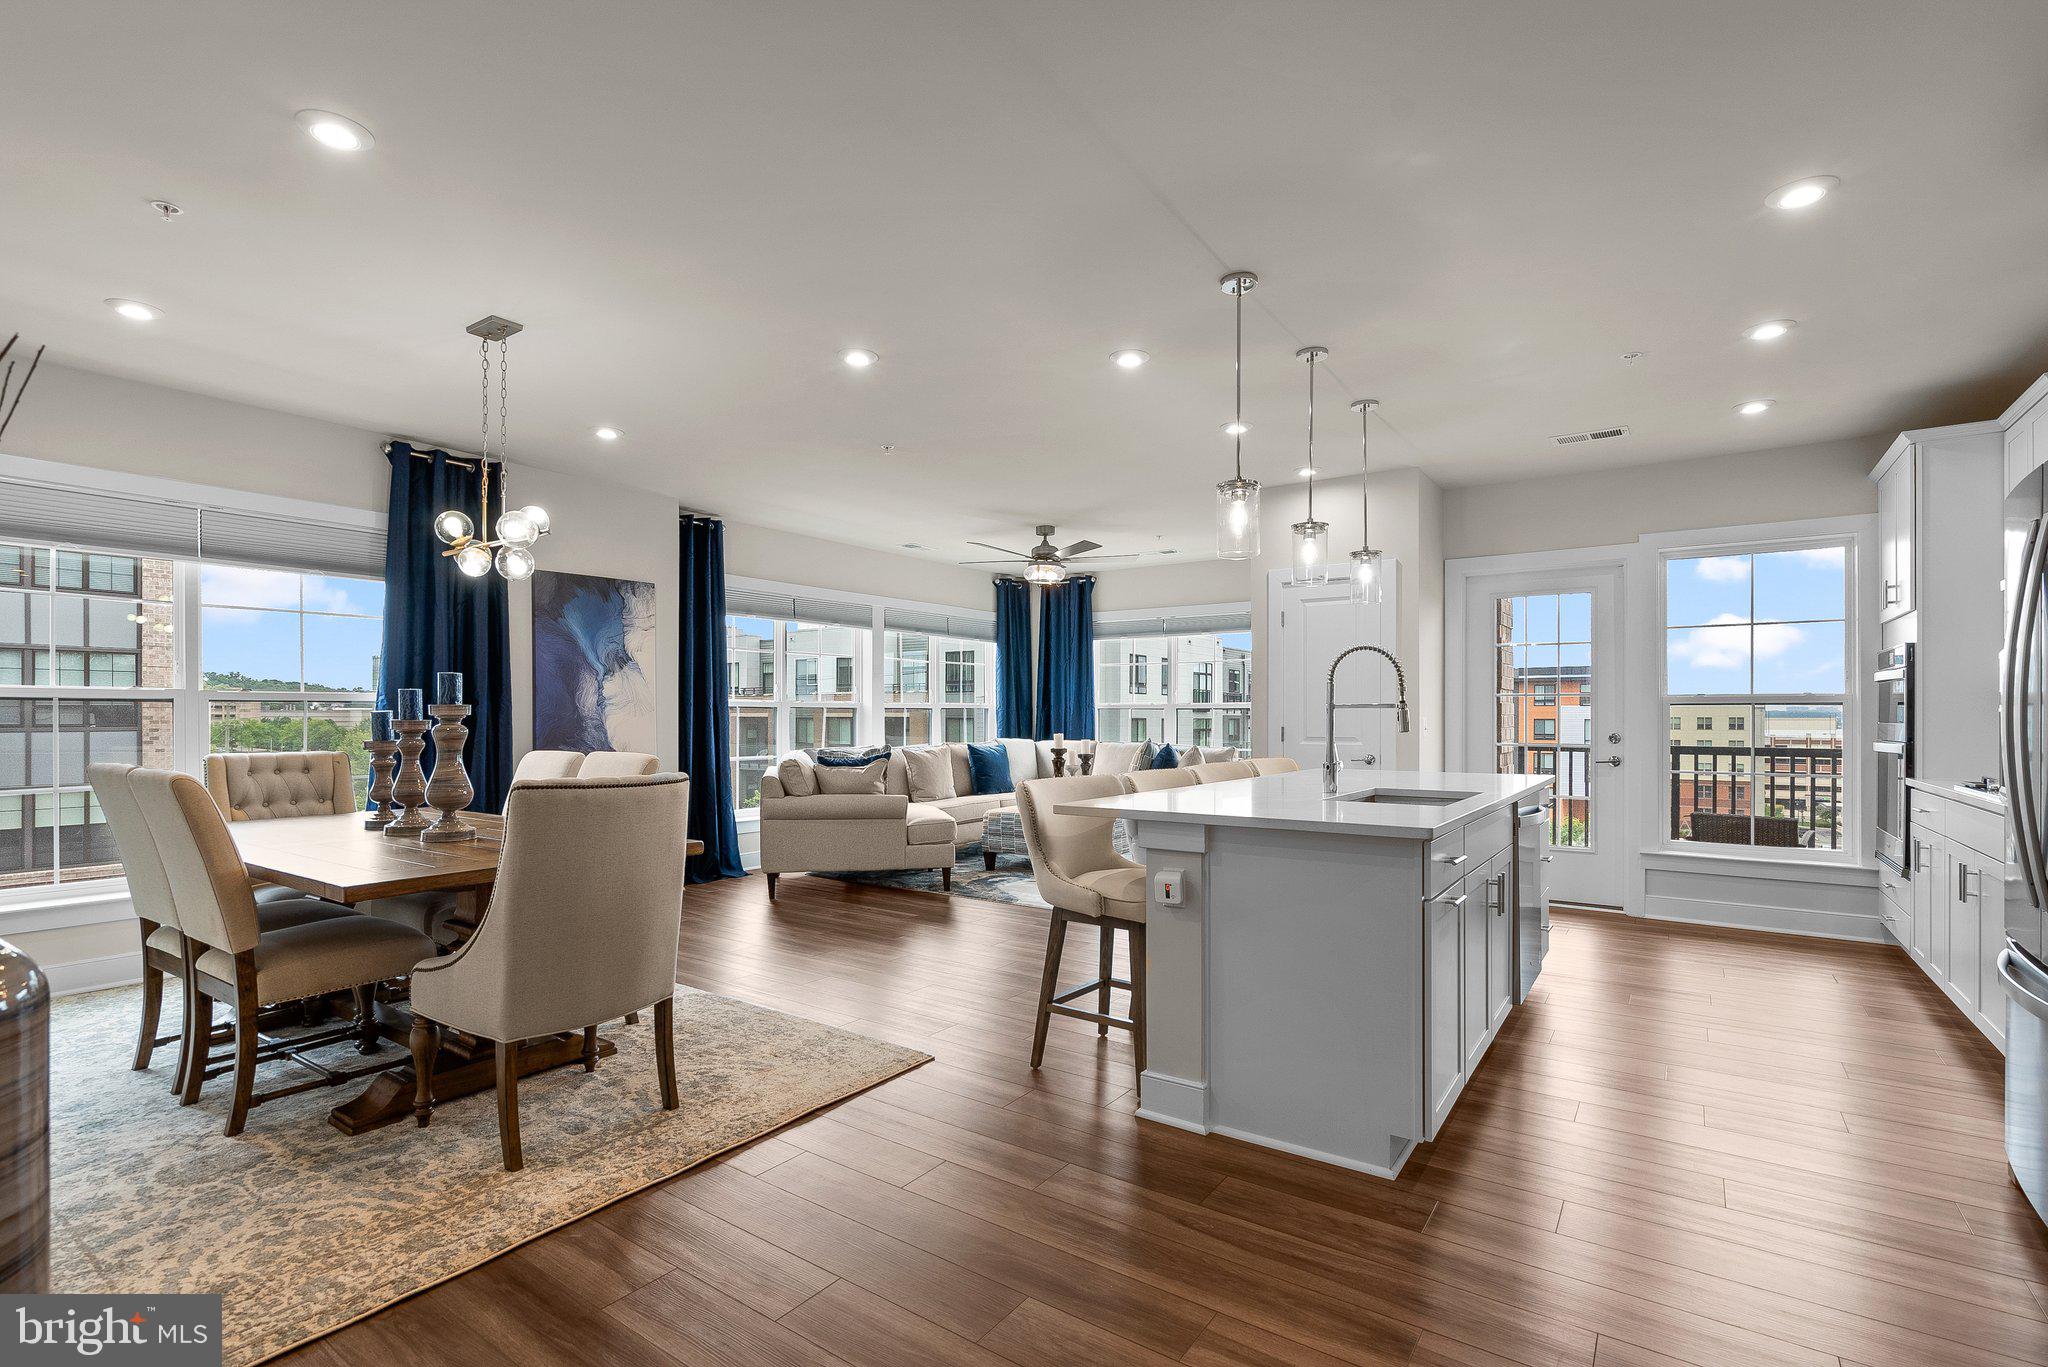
(409, 789)
(449, 791)
(383, 764)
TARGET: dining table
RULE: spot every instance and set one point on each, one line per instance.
(340, 859)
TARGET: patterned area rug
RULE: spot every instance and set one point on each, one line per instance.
(303, 1229)
(1010, 881)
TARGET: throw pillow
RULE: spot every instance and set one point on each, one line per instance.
(799, 776)
(1117, 756)
(1214, 754)
(840, 779)
(930, 769)
(1167, 758)
(990, 766)
(847, 758)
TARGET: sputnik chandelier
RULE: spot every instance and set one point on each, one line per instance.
(510, 551)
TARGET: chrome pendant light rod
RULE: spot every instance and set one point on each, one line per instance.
(1311, 537)
(1239, 284)
(1237, 498)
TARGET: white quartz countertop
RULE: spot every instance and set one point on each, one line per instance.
(1976, 797)
(1295, 802)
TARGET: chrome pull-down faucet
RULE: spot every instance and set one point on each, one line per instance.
(1331, 764)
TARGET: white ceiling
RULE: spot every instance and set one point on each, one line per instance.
(694, 208)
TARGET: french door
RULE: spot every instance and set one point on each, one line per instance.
(1544, 695)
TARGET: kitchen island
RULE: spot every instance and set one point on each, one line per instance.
(1323, 974)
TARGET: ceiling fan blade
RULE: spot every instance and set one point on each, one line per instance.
(1020, 555)
(1092, 559)
(986, 562)
(1078, 548)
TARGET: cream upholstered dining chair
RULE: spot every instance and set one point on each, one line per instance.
(149, 890)
(1080, 873)
(269, 787)
(608, 850)
(1266, 765)
(229, 956)
(1152, 780)
(617, 764)
(1223, 771)
(547, 764)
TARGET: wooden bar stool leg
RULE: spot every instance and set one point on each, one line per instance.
(1106, 957)
(1135, 935)
(508, 1104)
(1048, 984)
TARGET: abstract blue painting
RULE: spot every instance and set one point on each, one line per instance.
(593, 663)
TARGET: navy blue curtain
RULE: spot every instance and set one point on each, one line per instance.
(437, 618)
(706, 742)
(1066, 660)
(1013, 658)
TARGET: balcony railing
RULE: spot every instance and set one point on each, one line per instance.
(1781, 796)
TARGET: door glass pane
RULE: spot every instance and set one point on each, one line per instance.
(1543, 702)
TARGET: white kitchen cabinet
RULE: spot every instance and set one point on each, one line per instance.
(2026, 433)
(1444, 1070)
(1895, 524)
(1500, 943)
(1957, 926)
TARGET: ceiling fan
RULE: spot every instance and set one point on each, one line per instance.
(1046, 563)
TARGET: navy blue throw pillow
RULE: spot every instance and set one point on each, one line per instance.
(1167, 758)
(850, 759)
(989, 765)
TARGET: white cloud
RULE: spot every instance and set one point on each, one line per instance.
(1722, 569)
(1714, 647)
(1775, 638)
(1827, 557)
(243, 587)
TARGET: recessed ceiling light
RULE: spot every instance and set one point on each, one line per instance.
(860, 358)
(1129, 358)
(334, 131)
(135, 310)
(1801, 194)
(1753, 407)
(1305, 471)
(1771, 331)
(608, 434)
(1236, 429)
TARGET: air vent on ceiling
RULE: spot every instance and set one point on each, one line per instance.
(1602, 434)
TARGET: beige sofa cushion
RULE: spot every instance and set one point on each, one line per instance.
(1214, 754)
(1023, 761)
(1117, 756)
(926, 825)
(842, 779)
(930, 772)
(973, 807)
(798, 775)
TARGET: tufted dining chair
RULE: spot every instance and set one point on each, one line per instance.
(547, 764)
(149, 891)
(1152, 780)
(230, 956)
(617, 764)
(1266, 765)
(609, 851)
(270, 787)
(1083, 877)
(1224, 771)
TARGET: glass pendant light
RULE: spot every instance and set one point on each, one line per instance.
(1237, 498)
(1311, 537)
(517, 529)
(1367, 576)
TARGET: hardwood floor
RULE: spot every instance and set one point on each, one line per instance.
(1689, 1147)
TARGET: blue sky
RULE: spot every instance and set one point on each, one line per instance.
(1767, 623)
(259, 635)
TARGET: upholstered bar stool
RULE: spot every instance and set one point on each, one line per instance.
(609, 852)
(1224, 771)
(1080, 873)
(163, 941)
(1153, 780)
(272, 787)
(1264, 765)
(229, 956)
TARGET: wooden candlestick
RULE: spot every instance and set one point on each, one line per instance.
(409, 789)
(1059, 761)
(449, 791)
(1088, 761)
(383, 763)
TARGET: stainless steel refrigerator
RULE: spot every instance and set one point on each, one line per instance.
(2023, 716)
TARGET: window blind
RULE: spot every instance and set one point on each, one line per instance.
(1184, 624)
(966, 626)
(87, 519)
(745, 602)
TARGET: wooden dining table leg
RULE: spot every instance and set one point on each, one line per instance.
(589, 1048)
(426, 1043)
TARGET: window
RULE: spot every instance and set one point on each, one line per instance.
(1543, 705)
(1756, 637)
(94, 668)
(1164, 687)
(791, 685)
(963, 706)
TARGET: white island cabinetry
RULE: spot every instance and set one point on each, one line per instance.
(1336, 967)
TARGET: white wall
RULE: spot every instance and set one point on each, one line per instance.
(1608, 507)
(786, 557)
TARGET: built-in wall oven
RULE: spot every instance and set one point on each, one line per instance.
(1892, 748)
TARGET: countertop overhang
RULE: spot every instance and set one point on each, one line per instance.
(1976, 797)
(1295, 802)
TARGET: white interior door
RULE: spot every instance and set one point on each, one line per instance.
(1544, 694)
(1311, 627)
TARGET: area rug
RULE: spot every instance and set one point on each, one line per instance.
(1010, 882)
(302, 1229)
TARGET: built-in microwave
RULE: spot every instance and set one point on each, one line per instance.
(1892, 750)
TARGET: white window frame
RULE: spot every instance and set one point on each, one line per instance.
(1668, 549)
(1168, 701)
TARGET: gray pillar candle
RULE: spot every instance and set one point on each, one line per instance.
(448, 688)
(412, 706)
(380, 727)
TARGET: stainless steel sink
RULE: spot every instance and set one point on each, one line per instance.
(1407, 798)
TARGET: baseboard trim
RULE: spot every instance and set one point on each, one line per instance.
(1174, 1101)
(1304, 1151)
(90, 975)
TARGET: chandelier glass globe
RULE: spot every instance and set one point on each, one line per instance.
(516, 528)
(454, 527)
(515, 562)
(474, 560)
(538, 516)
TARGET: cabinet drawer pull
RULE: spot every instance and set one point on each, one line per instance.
(1457, 901)
(1452, 859)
